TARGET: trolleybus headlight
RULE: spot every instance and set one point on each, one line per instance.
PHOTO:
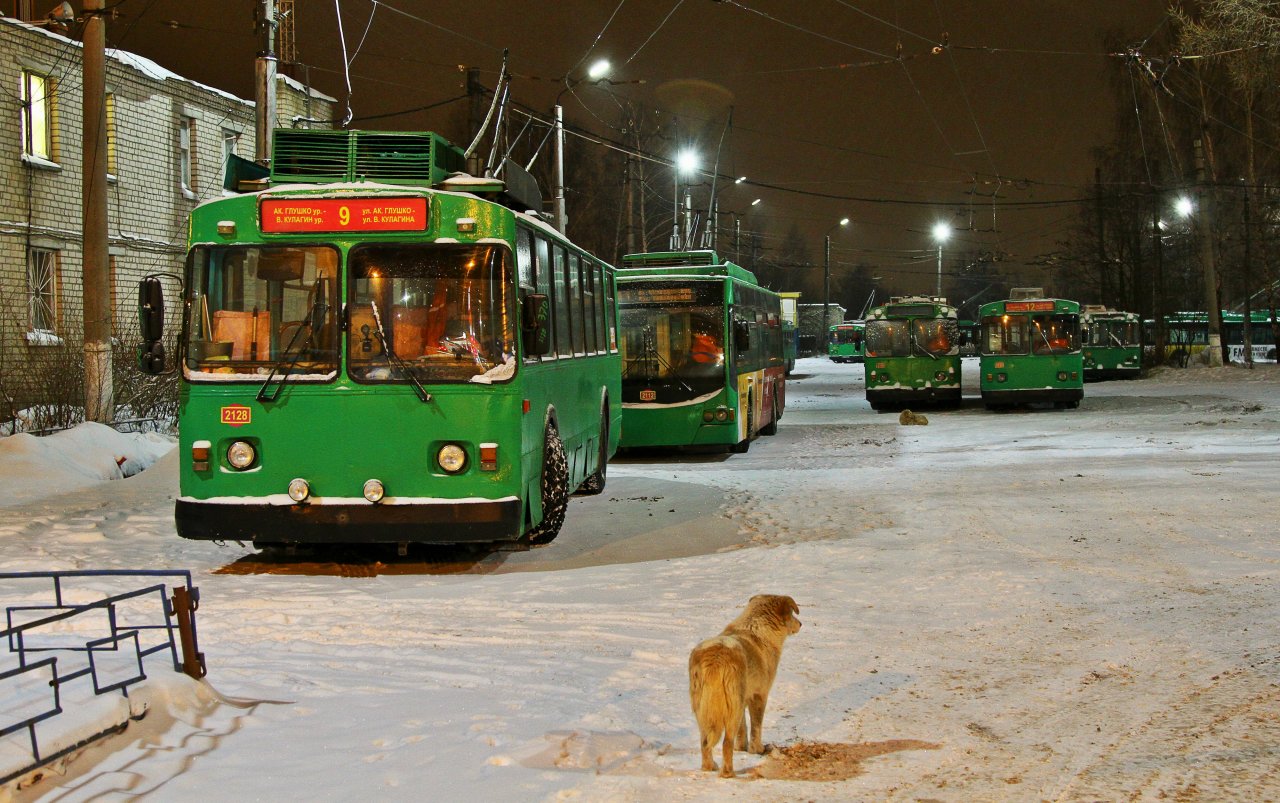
(722, 415)
(1062, 376)
(708, 416)
(452, 458)
(241, 455)
(373, 490)
(941, 376)
(299, 489)
(1002, 377)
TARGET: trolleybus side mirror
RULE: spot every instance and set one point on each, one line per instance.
(537, 325)
(151, 326)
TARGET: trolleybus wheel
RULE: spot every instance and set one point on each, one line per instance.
(771, 428)
(555, 490)
(595, 483)
(743, 445)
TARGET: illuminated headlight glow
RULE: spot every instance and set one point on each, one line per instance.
(451, 458)
(373, 490)
(299, 489)
(241, 455)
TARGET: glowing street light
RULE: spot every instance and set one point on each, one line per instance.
(1184, 207)
(941, 233)
(686, 162)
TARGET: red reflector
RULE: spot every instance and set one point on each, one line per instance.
(526, 405)
(200, 453)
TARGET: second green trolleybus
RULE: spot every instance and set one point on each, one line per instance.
(912, 353)
(1030, 352)
(1111, 343)
(703, 358)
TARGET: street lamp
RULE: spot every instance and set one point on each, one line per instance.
(941, 233)
(686, 162)
(826, 278)
(596, 72)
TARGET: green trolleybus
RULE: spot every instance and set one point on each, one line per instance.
(377, 349)
(702, 352)
(1030, 351)
(1112, 343)
(845, 342)
(912, 353)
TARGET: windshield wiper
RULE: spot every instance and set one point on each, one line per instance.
(289, 357)
(393, 359)
(915, 341)
(649, 356)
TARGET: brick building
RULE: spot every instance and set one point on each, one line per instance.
(167, 141)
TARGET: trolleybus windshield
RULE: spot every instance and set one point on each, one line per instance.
(444, 311)
(252, 307)
(1037, 334)
(672, 339)
(1112, 332)
(917, 337)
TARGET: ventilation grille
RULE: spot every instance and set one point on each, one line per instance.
(670, 259)
(316, 157)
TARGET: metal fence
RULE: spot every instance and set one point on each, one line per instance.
(87, 633)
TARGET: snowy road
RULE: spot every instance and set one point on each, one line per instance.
(1047, 605)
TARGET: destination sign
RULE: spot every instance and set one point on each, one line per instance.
(656, 295)
(1028, 306)
(285, 215)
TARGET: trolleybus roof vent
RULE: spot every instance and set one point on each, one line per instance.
(671, 259)
(1021, 293)
(385, 157)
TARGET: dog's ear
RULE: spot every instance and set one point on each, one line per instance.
(791, 604)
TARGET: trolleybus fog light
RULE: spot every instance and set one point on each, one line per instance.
(1002, 377)
(708, 416)
(241, 455)
(200, 455)
(299, 489)
(373, 490)
(452, 458)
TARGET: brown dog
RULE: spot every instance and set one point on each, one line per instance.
(734, 671)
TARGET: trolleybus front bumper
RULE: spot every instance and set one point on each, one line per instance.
(436, 523)
(1010, 398)
(896, 396)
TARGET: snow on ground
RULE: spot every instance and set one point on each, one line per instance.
(1044, 605)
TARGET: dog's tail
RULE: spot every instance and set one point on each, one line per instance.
(718, 689)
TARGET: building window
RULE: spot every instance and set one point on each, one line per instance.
(110, 109)
(42, 290)
(230, 147)
(37, 118)
(186, 151)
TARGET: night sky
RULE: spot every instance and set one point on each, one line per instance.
(906, 111)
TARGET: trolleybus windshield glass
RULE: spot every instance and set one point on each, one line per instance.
(1114, 333)
(445, 310)
(935, 336)
(1055, 334)
(1004, 334)
(888, 338)
(253, 307)
(672, 339)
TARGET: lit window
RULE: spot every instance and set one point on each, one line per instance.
(110, 109)
(37, 127)
(42, 289)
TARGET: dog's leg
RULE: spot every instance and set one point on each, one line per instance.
(708, 742)
(755, 704)
(741, 736)
(734, 725)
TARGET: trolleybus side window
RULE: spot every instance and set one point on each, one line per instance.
(560, 286)
(574, 285)
(590, 309)
(524, 257)
(542, 281)
(610, 311)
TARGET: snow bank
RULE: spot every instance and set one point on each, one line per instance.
(36, 467)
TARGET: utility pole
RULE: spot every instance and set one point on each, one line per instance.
(99, 395)
(264, 84)
(1247, 323)
(630, 197)
(559, 211)
(1213, 310)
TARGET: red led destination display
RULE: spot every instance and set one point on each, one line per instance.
(1028, 306)
(282, 216)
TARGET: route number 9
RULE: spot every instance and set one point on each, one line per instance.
(344, 215)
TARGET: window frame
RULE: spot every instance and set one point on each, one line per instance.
(44, 288)
(32, 109)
